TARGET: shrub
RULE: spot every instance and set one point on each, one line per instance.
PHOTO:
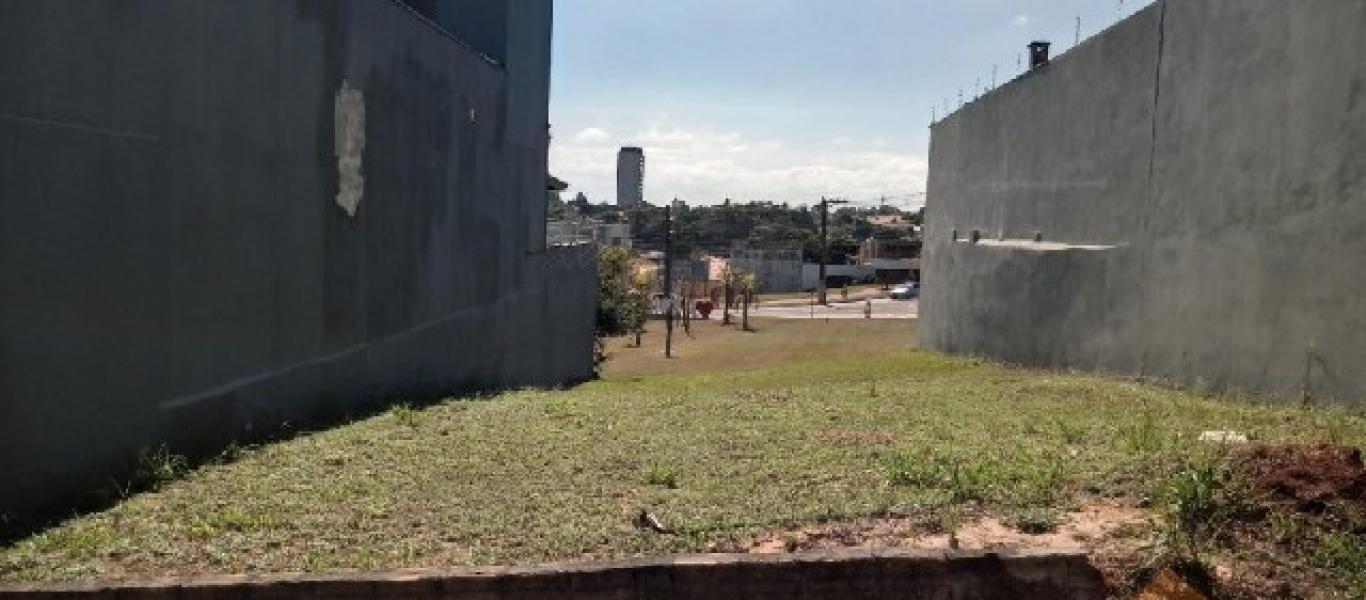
(662, 475)
(154, 468)
(1200, 500)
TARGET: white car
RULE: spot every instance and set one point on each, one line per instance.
(906, 291)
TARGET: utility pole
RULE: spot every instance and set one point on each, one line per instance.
(825, 246)
(668, 282)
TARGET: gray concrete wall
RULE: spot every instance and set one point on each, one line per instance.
(1198, 175)
(862, 574)
(176, 262)
(776, 270)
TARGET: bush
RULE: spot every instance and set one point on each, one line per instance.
(622, 309)
(662, 475)
(154, 468)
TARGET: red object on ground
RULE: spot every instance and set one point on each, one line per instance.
(704, 308)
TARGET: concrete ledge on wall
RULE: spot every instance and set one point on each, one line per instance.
(1041, 246)
(847, 574)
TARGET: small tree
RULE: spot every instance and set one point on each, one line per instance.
(748, 283)
(642, 281)
(727, 293)
(622, 308)
(685, 306)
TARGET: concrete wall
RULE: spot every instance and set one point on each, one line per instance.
(1198, 176)
(777, 270)
(853, 574)
(219, 217)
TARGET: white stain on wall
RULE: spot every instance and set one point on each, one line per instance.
(349, 146)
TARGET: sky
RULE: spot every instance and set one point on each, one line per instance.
(782, 100)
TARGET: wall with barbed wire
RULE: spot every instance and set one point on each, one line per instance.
(1182, 197)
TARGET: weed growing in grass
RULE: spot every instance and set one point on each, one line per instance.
(154, 468)
(1287, 527)
(951, 520)
(406, 415)
(231, 454)
(231, 520)
(1034, 521)
(913, 471)
(965, 482)
(1200, 500)
(558, 406)
(1071, 433)
(1324, 544)
(662, 475)
(1020, 480)
(86, 542)
(1143, 436)
(1344, 554)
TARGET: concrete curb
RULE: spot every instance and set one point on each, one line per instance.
(843, 574)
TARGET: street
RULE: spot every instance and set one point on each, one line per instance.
(882, 309)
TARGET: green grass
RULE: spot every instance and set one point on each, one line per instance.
(800, 422)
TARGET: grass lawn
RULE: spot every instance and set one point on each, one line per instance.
(743, 433)
(713, 348)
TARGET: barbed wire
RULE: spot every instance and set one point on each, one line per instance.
(936, 116)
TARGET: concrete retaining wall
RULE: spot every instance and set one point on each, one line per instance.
(217, 218)
(846, 575)
(776, 271)
(1198, 176)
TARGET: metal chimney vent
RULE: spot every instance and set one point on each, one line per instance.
(1038, 54)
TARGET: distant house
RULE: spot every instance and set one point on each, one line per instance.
(891, 221)
(836, 275)
(892, 261)
(615, 234)
(585, 231)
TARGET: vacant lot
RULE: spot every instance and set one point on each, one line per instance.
(711, 348)
(742, 438)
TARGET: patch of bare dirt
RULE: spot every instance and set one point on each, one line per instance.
(1308, 479)
(1323, 485)
(1100, 527)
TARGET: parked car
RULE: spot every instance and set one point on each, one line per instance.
(906, 291)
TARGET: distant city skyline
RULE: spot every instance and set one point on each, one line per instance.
(782, 100)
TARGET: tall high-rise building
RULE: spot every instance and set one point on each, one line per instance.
(630, 177)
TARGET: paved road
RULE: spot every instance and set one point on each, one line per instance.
(882, 309)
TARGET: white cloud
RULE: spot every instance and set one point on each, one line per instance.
(592, 135)
(705, 166)
(843, 140)
(1022, 21)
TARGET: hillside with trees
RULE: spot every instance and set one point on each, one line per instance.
(714, 229)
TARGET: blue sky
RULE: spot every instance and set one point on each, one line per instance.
(781, 100)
